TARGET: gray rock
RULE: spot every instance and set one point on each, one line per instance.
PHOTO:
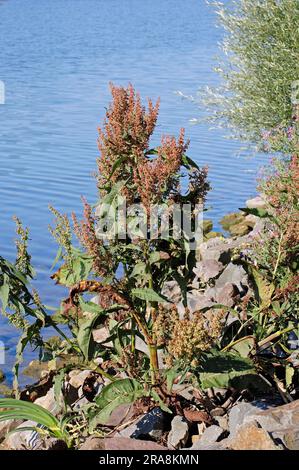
(251, 436)
(7, 426)
(255, 411)
(210, 437)
(119, 443)
(197, 301)
(179, 433)
(233, 274)
(208, 269)
(227, 295)
(172, 291)
(222, 422)
(24, 439)
(77, 377)
(220, 249)
(289, 437)
(48, 401)
(150, 426)
(100, 335)
(256, 203)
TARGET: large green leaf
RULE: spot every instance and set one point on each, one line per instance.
(85, 339)
(76, 270)
(84, 336)
(221, 369)
(149, 295)
(264, 288)
(4, 292)
(258, 212)
(119, 392)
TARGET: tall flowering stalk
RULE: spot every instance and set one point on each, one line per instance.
(127, 166)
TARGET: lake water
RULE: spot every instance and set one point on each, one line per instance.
(56, 60)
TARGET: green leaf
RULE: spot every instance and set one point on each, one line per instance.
(76, 270)
(105, 203)
(58, 257)
(244, 346)
(18, 409)
(189, 163)
(117, 164)
(119, 392)
(85, 338)
(139, 270)
(149, 295)
(4, 292)
(157, 399)
(258, 212)
(289, 374)
(264, 289)
(220, 369)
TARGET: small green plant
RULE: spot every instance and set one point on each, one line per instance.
(47, 423)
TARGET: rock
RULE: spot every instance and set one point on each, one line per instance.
(220, 249)
(233, 274)
(120, 414)
(251, 220)
(2, 375)
(212, 234)
(7, 426)
(48, 401)
(239, 230)
(119, 443)
(196, 301)
(232, 219)
(36, 369)
(207, 226)
(222, 422)
(150, 426)
(197, 416)
(93, 443)
(100, 335)
(5, 391)
(184, 390)
(290, 438)
(210, 436)
(179, 433)
(259, 410)
(55, 444)
(227, 295)
(251, 436)
(172, 291)
(77, 377)
(24, 439)
(256, 203)
(30, 439)
(208, 269)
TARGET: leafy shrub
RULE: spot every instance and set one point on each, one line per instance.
(259, 68)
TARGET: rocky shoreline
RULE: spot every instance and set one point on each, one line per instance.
(222, 421)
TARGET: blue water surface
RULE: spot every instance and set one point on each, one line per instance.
(56, 60)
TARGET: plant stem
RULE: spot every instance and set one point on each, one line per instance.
(154, 363)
